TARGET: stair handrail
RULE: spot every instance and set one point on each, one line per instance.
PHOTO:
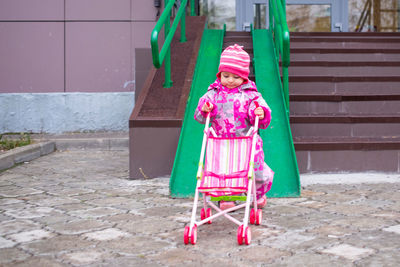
(164, 55)
(281, 35)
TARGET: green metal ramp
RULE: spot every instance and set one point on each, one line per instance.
(278, 144)
(277, 138)
(183, 177)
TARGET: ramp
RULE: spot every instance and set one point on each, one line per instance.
(183, 176)
(278, 143)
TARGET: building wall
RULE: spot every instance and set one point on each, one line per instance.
(60, 50)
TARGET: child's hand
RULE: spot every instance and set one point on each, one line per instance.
(207, 108)
(259, 112)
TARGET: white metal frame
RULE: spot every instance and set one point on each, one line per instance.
(339, 12)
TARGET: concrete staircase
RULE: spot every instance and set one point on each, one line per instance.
(345, 101)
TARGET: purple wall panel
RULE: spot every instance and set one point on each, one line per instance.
(142, 33)
(98, 9)
(98, 57)
(32, 57)
(31, 9)
(143, 11)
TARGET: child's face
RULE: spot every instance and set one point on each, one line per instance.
(231, 80)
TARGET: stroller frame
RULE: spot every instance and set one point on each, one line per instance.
(254, 216)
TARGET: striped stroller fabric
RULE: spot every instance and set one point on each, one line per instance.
(226, 166)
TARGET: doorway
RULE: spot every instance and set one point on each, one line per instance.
(256, 12)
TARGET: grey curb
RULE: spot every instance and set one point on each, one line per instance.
(92, 143)
(49, 144)
(25, 153)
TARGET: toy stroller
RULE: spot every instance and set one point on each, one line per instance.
(227, 175)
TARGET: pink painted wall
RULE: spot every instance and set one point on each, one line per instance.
(72, 45)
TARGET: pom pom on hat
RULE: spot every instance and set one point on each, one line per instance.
(235, 60)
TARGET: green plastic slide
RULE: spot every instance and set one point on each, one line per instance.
(183, 177)
(277, 138)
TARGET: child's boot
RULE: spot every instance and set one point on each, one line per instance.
(224, 205)
(261, 202)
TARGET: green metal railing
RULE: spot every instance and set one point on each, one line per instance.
(280, 31)
(164, 55)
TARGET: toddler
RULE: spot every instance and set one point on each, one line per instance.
(233, 110)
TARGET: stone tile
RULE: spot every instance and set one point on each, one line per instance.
(312, 204)
(176, 256)
(374, 239)
(30, 235)
(15, 226)
(149, 225)
(117, 202)
(362, 223)
(30, 212)
(349, 252)
(95, 212)
(122, 217)
(78, 227)
(332, 231)
(37, 261)
(136, 245)
(54, 218)
(19, 192)
(385, 257)
(70, 192)
(349, 209)
(310, 259)
(57, 244)
(106, 234)
(255, 255)
(393, 229)
(291, 239)
(9, 201)
(6, 243)
(8, 255)
(53, 201)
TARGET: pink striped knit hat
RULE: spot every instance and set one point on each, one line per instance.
(235, 60)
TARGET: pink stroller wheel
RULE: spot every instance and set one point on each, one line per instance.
(240, 235)
(186, 235)
(259, 217)
(193, 235)
(252, 216)
(247, 236)
(209, 214)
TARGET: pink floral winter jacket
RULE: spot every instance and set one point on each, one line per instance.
(233, 115)
(233, 112)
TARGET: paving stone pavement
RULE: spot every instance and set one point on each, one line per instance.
(77, 208)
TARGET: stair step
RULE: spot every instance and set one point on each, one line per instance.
(351, 87)
(346, 143)
(247, 46)
(350, 108)
(345, 50)
(244, 38)
(346, 57)
(344, 34)
(370, 71)
(344, 97)
(236, 34)
(333, 79)
(346, 45)
(345, 118)
(345, 39)
(326, 63)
